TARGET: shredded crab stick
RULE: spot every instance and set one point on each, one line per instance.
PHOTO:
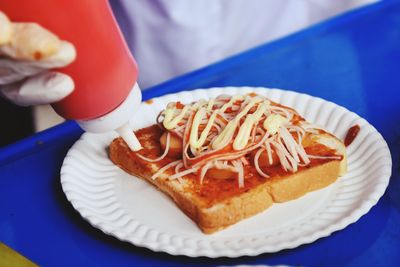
(212, 138)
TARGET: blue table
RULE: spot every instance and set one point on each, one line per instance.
(353, 60)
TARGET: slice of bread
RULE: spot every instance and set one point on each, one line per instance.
(216, 204)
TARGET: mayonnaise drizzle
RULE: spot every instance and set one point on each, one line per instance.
(227, 134)
(169, 121)
(242, 137)
(247, 123)
(194, 141)
(172, 117)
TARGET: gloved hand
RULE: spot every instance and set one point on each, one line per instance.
(27, 53)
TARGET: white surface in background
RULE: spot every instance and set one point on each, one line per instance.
(172, 37)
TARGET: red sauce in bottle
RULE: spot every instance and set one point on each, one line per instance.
(351, 134)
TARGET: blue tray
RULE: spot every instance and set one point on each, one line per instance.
(353, 60)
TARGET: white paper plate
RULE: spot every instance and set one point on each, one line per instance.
(134, 211)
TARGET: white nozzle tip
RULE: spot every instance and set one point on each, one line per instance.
(119, 116)
(125, 131)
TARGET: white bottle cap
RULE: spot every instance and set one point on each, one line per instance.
(118, 119)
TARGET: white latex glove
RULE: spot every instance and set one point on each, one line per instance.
(27, 53)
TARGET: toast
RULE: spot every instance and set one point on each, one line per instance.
(220, 181)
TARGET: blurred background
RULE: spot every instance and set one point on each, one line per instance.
(170, 38)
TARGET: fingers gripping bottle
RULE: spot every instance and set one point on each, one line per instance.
(106, 94)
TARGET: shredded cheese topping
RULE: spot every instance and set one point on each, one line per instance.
(220, 132)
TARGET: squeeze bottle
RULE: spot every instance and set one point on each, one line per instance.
(106, 94)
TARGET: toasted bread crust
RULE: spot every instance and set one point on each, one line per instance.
(295, 185)
(210, 219)
(236, 208)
